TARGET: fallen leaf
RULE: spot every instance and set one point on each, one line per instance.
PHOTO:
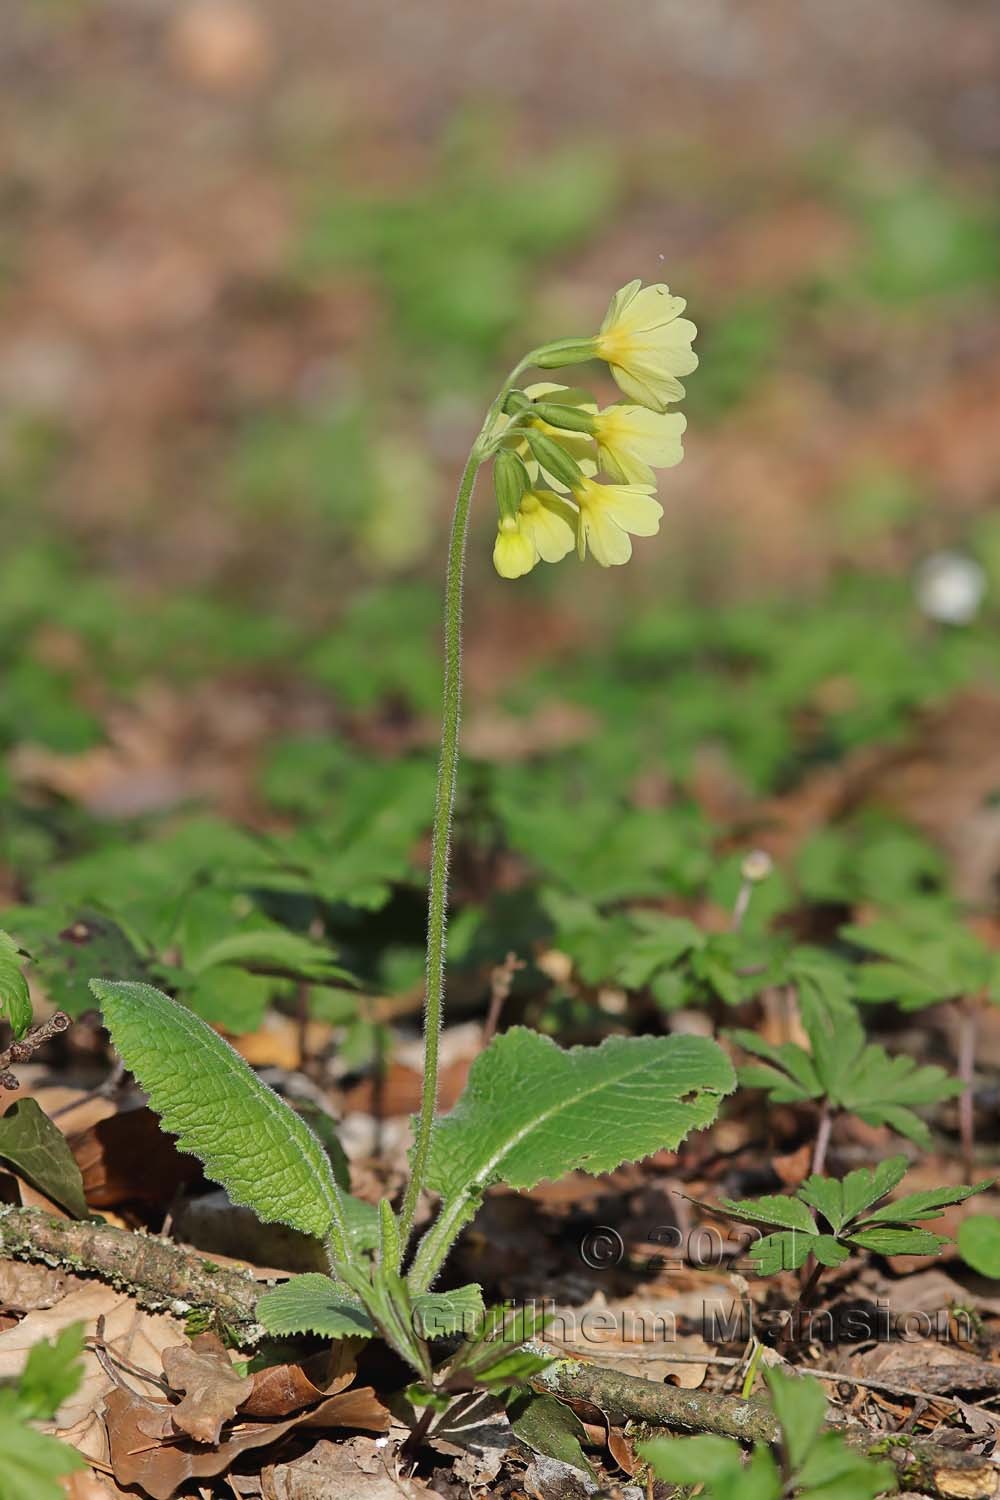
(161, 1467)
(340, 1471)
(213, 1391)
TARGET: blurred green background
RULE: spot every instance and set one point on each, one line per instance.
(261, 267)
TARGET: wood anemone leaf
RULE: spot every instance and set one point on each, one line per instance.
(314, 1303)
(533, 1111)
(248, 1139)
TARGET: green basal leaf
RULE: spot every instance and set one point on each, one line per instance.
(15, 1002)
(247, 1138)
(37, 1149)
(314, 1303)
(979, 1242)
(789, 1213)
(532, 1111)
(438, 1314)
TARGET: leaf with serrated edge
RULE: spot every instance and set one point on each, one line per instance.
(533, 1111)
(789, 1213)
(786, 1250)
(15, 1002)
(893, 1241)
(924, 1205)
(440, 1313)
(30, 1142)
(864, 1187)
(248, 1139)
(313, 1303)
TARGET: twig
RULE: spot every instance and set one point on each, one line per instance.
(22, 1051)
(933, 1468)
(501, 984)
(158, 1274)
(967, 1027)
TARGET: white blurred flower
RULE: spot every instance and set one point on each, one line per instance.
(950, 587)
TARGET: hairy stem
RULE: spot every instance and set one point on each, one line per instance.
(444, 805)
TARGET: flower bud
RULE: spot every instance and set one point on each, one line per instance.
(554, 459)
(570, 418)
(516, 402)
(510, 480)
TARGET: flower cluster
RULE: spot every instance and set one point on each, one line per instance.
(553, 441)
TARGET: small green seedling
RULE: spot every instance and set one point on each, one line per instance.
(853, 1222)
(33, 1463)
(979, 1243)
(530, 1111)
(806, 1461)
(927, 957)
(842, 1072)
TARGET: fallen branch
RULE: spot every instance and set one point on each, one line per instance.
(932, 1468)
(159, 1274)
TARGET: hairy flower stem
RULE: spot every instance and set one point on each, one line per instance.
(444, 805)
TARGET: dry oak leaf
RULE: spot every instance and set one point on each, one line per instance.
(213, 1391)
(142, 1452)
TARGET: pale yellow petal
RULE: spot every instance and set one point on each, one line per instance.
(651, 308)
(610, 545)
(513, 553)
(633, 509)
(549, 521)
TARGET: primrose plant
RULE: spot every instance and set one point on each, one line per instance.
(531, 1110)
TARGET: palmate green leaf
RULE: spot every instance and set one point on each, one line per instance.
(37, 1149)
(33, 1463)
(833, 1471)
(15, 1002)
(247, 1138)
(979, 1242)
(791, 1078)
(532, 1111)
(314, 1303)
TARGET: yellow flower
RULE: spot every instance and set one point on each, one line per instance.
(514, 553)
(550, 523)
(608, 513)
(544, 527)
(632, 441)
(647, 344)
